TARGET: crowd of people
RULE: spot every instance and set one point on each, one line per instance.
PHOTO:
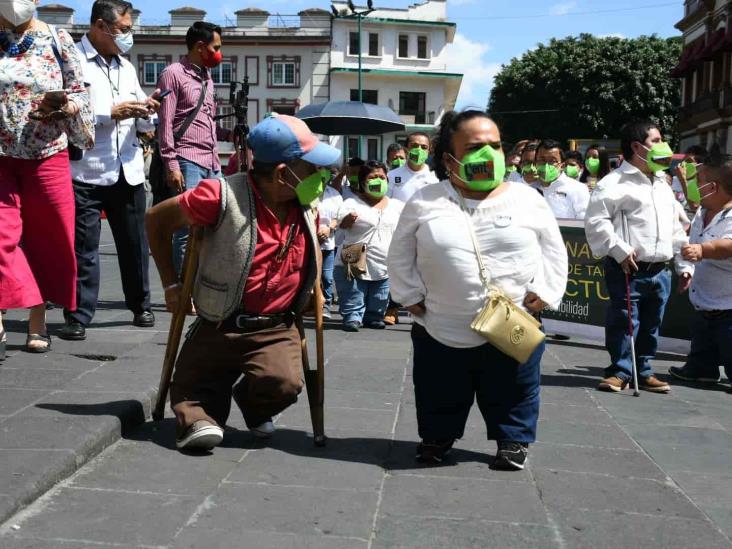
(446, 224)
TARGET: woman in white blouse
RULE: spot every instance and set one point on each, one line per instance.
(434, 272)
(369, 217)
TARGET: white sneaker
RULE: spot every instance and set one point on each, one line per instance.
(202, 435)
(265, 430)
(326, 312)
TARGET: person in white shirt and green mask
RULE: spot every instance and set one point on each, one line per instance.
(636, 196)
(396, 156)
(566, 197)
(415, 174)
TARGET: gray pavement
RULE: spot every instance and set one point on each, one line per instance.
(78, 452)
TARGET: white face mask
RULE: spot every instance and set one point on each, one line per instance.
(17, 12)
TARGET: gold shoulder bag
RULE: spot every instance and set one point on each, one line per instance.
(506, 326)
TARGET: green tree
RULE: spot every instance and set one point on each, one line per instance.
(596, 84)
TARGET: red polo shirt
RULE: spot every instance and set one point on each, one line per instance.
(278, 271)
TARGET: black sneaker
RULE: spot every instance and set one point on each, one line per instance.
(350, 326)
(434, 451)
(685, 375)
(511, 456)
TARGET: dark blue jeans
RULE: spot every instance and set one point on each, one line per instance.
(361, 300)
(649, 294)
(124, 205)
(448, 379)
(192, 174)
(711, 345)
(327, 277)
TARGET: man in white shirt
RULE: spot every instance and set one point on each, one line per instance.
(636, 194)
(711, 289)
(396, 156)
(110, 177)
(567, 197)
(415, 174)
(328, 212)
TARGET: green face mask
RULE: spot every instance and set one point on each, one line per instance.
(510, 169)
(482, 170)
(418, 156)
(548, 173)
(308, 190)
(353, 179)
(529, 170)
(659, 156)
(692, 191)
(593, 165)
(398, 163)
(572, 171)
(376, 187)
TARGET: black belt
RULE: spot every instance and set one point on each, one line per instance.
(716, 314)
(243, 322)
(652, 267)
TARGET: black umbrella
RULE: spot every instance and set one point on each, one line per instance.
(350, 118)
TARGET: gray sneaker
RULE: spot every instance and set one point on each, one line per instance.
(202, 435)
(326, 312)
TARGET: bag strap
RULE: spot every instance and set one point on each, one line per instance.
(56, 46)
(482, 271)
(191, 117)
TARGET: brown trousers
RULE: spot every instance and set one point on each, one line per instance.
(211, 362)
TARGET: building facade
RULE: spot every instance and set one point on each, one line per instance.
(287, 58)
(311, 57)
(705, 72)
(404, 67)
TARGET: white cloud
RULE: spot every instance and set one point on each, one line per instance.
(563, 8)
(468, 57)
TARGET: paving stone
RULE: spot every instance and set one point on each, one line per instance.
(561, 413)
(621, 463)
(373, 379)
(701, 460)
(143, 467)
(128, 407)
(295, 510)
(612, 529)
(598, 436)
(413, 532)
(361, 400)
(346, 463)
(12, 400)
(23, 378)
(342, 419)
(29, 467)
(679, 435)
(109, 516)
(706, 490)
(722, 517)
(498, 500)
(563, 491)
(55, 433)
(233, 536)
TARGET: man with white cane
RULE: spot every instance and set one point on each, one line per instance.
(636, 259)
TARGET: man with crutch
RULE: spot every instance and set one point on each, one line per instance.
(636, 195)
(258, 266)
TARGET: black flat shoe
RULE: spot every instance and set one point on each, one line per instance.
(146, 319)
(72, 331)
(37, 337)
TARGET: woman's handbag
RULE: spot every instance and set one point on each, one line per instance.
(506, 326)
(354, 260)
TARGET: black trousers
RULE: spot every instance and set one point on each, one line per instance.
(124, 205)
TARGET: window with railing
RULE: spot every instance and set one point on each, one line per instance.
(283, 72)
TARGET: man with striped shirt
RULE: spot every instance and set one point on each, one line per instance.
(192, 156)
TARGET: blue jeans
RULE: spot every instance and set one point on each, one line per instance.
(649, 294)
(361, 300)
(192, 175)
(327, 277)
(711, 345)
(447, 380)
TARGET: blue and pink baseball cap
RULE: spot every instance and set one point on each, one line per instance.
(281, 138)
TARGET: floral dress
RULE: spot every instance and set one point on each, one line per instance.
(23, 81)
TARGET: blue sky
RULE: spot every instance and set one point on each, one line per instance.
(489, 32)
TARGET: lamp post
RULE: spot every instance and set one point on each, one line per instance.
(358, 15)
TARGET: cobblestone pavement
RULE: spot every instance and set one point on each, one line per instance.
(88, 468)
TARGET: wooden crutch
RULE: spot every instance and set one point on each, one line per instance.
(190, 265)
(315, 379)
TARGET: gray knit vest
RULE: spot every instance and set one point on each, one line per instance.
(227, 251)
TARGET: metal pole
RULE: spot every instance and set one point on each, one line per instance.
(360, 84)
